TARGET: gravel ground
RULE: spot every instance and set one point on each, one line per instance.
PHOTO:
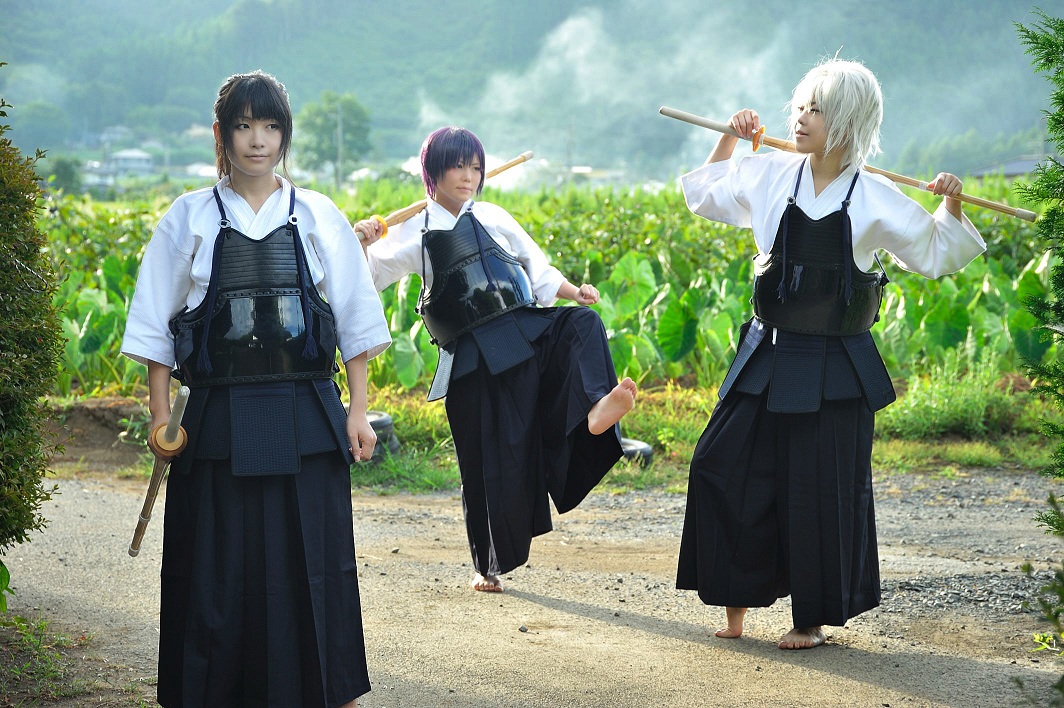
(594, 619)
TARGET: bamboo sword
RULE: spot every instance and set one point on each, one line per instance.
(788, 146)
(170, 438)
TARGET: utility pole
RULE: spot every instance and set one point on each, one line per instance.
(339, 145)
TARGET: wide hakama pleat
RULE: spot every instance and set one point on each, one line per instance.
(260, 603)
(781, 503)
(521, 436)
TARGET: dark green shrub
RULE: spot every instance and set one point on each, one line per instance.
(1045, 42)
(29, 350)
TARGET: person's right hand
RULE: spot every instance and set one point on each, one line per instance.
(745, 122)
(157, 430)
(369, 231)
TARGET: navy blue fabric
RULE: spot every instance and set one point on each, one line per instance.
(260, 602)
(781, 504)
(521, 436)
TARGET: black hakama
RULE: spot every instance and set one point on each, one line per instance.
(260, 603)
(781, 503)
(521, 435)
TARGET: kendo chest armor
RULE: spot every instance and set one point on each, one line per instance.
(474, 280)
(262, 319)
(808, 283)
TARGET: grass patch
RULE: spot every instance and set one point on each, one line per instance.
(39, 667)
(671, 418)
(412, 469)
(32, 668)
(932, 456)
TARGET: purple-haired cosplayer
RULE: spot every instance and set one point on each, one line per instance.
(532, 397)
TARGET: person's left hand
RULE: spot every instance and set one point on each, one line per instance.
(362, 437)
(946, 185)
(586, 295)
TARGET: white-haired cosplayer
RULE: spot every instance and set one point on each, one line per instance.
(780, 494)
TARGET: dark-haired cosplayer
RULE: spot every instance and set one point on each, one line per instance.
(780, 494)
(532, 397)
(245, 292)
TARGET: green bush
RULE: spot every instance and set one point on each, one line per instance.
(959, 397)
(29, 351)
(1044, 42)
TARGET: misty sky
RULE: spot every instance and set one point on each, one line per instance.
(586, 89)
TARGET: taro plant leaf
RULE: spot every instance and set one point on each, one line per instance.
(404, 314)
(407, 360)
(120, 275)
(1029, 284)
(646, 360)
(722, 332)
(72, 357)
(429, 352)
(97, 332)
(5, 587)
(99, 323)
(1029, 339)
(622, 351)
(677, 329)
(607, 310)
(946, 324)
(632, 283)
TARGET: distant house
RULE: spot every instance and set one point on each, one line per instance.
(1010, 169)
(131, 162)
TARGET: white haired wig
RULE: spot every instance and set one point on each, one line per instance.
(849, 97)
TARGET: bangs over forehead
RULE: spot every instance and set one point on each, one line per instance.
(851, 102)
(254, 96)
(446, 148)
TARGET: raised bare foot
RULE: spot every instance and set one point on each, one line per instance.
(803, 638)
(735, 623)
(611, 407)
(488, 583)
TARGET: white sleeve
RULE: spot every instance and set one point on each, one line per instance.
(163, 283)
(716, 192)
(932, 245)
(357, 312)
(397, 254)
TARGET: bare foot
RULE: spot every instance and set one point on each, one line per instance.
(490, 583)
(803, 638)
(611, 407)
(735, 623)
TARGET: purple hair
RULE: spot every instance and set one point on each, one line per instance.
(446, 148)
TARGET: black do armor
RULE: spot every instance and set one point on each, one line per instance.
(474, 280)
(808, 283)
(815, 282)
(262, 319)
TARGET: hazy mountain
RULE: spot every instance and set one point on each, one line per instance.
(578, 81)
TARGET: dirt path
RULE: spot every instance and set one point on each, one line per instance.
(594, 620)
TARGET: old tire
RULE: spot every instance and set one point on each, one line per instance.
(637, 451)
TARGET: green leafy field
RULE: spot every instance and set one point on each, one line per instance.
(675, 289)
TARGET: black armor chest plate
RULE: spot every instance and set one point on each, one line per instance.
(808, 283)
(474, 280)
(259, 312)
(815, 282)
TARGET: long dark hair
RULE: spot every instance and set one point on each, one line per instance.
(446, 148)
(264, 98)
